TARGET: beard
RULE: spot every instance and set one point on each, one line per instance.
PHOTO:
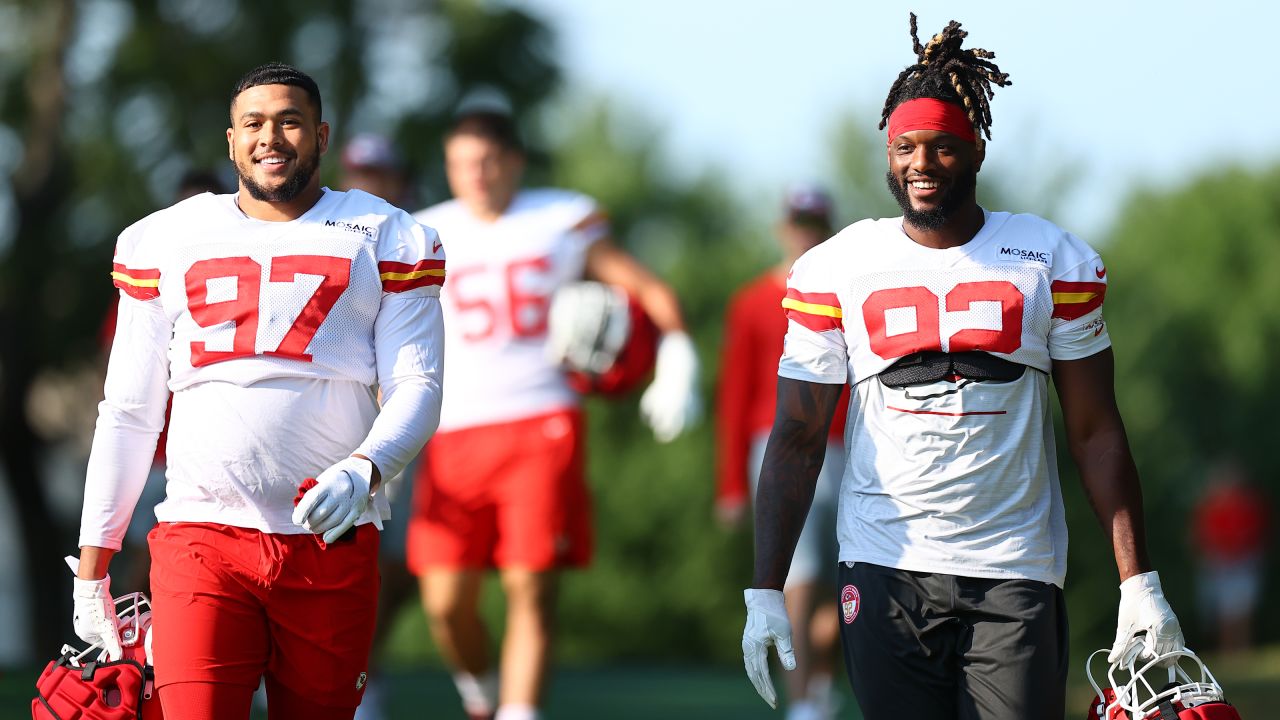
(292, 186)
(961, 191)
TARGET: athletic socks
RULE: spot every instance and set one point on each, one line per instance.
(479, 693)
(517, 712)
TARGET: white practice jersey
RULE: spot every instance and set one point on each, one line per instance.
(501, 278)
(958, 476)
(273, 338)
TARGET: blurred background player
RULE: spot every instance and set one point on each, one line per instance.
(502, 484)
(134, 574)
(745, 408)
(271, 314)
(1231, 529)
(372, 163)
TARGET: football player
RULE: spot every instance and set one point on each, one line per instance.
(501, 486)
(754, 329)
(948, 323)
(271, 313)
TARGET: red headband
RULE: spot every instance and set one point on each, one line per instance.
(930, 114)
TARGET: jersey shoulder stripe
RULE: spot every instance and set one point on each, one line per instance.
(138, 283)
(399, 277)
(1072, 300)
(817, 311)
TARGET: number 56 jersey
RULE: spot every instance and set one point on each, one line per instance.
(952, 475)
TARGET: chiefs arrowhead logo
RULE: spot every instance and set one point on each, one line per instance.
(1100, 272)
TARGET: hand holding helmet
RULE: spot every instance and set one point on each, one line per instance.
(1144, 613)
(94, 617)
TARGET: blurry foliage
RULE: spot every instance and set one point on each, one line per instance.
(1194, 313)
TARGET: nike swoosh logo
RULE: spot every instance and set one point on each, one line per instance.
(1100, 272)
(435, 248)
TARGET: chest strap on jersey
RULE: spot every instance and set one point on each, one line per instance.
(930, 366)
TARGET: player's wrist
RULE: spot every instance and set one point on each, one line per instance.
(375, 475)
(1138, 583)
(766, 599)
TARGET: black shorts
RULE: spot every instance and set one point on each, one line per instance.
(929, 646)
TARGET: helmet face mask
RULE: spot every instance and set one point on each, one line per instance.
(133, 617)
(83, 682)
(1139, 687)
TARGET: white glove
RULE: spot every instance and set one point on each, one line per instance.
(671, 404)
(1145, 616)
(95, 613)
(767, 624)
(338, 500)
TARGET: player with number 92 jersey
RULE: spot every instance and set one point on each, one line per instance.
(943, 475)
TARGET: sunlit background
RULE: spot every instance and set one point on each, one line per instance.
(1147, 128)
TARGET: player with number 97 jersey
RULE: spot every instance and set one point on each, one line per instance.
(871, 300)
(313, 314)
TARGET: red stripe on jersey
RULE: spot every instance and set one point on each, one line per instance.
(399, 277)
(819, 312)
(947, 414)
(1073, 300)
(140, 284)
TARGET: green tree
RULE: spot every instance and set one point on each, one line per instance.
(1194, 311)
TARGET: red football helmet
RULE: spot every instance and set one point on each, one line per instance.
(1133, 696)
(84, 684)
(601, 337)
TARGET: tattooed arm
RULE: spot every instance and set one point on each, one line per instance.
(792, 460)
(1096, 437)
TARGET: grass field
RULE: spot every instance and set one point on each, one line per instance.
(1252, 683)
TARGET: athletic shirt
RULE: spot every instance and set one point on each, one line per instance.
(501, 278)
(955, 477)
(272, 337)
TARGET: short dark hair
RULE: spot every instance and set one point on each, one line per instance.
(278, 73)
(491, 125)
(945, 71)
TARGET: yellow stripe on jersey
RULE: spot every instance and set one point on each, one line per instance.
(135, 282)
(1069, 298)
(812, 308)
(411, 275)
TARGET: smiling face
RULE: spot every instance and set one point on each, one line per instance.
(932, 174)
(276, 139)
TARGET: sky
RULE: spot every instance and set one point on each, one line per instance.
(1131, 93)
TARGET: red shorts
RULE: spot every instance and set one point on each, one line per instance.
(504, 495)
(230, 604)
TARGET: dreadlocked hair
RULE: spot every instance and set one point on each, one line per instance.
(943, 71)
